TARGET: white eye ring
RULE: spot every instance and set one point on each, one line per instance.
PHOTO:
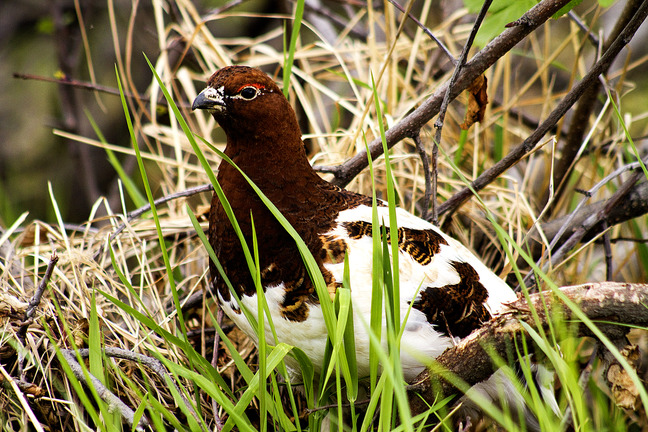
(248, 93)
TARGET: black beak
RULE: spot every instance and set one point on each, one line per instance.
(208, 99)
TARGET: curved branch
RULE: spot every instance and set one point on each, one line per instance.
(634, 205)
(565, 104)
(114, 403)
(622, 303)
(475, 67)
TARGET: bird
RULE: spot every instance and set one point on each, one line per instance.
(446, 292)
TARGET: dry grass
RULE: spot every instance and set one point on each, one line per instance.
(331, 88)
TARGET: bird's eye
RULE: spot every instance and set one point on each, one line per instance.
(249, 92)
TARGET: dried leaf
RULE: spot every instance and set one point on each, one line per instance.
(33, 390)
(623, 389)
(477, 102)
(11, 305)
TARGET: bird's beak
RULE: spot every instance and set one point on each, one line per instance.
(209, 99)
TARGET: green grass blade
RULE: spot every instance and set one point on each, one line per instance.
(376, 279)
(290, 56)
(393, 225)
(133, 192)
(349, 339)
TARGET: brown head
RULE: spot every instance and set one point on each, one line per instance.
(248, 105)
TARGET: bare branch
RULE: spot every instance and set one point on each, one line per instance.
(430, 179)
(634, 205)
(475, 67)
(438, 124)
(152, 363)
(427, 31)
(85, 85)
(565, 104)
(598, 217)
(580, 120)
(35, 301)
(106, 395)
(579, 22)
(607, 246)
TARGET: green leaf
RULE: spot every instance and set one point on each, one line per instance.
(500, 13)
(569, 6)
(349, 338)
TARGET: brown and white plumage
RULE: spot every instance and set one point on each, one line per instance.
(449, 290)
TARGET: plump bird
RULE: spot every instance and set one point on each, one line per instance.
(449, 290)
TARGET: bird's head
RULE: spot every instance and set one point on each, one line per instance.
(245, 101)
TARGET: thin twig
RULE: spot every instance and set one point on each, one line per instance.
(31, 309)
(594, 219)
(634, 205)
(579, 22)
(438, 124)
(140, 211)
(427, 31)
(435, 180)
(629, 239)
(106, 395)
(430, 183)
(36, 299)
(589, 193)
(85, 85)
(607, 246)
